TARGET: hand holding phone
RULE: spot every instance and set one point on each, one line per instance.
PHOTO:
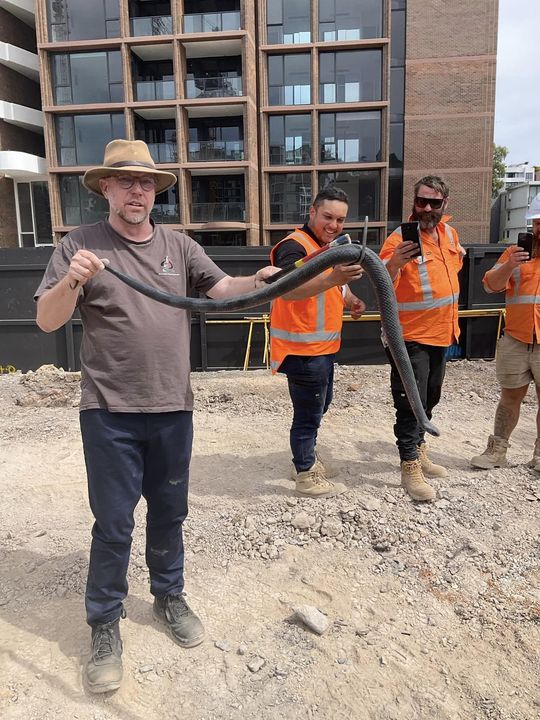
(410, 232)
(525, 243)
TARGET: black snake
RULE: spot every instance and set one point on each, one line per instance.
(344, 254)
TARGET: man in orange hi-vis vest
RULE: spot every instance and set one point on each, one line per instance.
(427, 292)
(305, 335)
(518, 351)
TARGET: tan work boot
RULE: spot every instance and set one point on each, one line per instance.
(414, 482)
(327, 468)
(535, 462)
(430, 469)
(314, 483)
(493, 456)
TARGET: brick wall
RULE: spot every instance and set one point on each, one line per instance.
(450, 103)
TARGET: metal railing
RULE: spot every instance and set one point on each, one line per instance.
(205, 150)
(154, 25)
(155, 90)
(211, 22)
(205, 87)
(208, 212)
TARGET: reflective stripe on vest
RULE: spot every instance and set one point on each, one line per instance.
(427, 291)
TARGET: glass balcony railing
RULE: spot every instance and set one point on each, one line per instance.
(164, 213)
(205, 150)
(289, 94)
(155, 90)
(214, 87)
(163, 152)
(211, 22)
(156, 25)
(208, 212)
(347, 92)
(297, 156)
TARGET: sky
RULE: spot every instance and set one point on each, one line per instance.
(517, 100)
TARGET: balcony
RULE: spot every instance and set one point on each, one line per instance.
(211, 22)
(211, 150)
(208, 87)
(155, 25)
(163, 152)
(165, 213)
(154, 90)
(211, 212)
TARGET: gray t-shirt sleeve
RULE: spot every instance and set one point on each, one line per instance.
(58, 265)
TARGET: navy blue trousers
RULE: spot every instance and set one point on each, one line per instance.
(311, 386)
(128, 455)
(429, 366)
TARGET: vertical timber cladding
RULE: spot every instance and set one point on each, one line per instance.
(450, 104)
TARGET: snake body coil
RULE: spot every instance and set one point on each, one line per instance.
(345, 254)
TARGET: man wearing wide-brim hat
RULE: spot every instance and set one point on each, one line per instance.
(136, 400)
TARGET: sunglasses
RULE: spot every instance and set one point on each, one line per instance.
(128, 181)
(435, 203)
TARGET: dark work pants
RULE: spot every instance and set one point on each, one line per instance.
(429, 365)
(128, 455)
(311, 384)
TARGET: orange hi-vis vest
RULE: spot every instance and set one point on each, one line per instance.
(522, 320)
(427, 288)
(311, 326)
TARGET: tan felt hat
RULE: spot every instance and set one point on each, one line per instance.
(127, 156)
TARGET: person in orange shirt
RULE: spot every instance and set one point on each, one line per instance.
(427, 291)
(518, 351)
(305, 335)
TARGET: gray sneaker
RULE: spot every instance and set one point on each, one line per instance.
(174, 612)
(104, 669)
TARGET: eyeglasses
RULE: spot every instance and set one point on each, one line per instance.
(435, 203)
(128, 181)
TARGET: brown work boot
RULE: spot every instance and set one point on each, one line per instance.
(429, 468)
(535, 462)
(104, 669)
(327, 468)
(314, 483)
(414, 482)
(493, 456)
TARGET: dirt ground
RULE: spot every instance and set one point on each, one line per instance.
(433, 610)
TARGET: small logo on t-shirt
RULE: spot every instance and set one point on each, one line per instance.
(167, 267)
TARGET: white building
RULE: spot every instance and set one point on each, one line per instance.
(518, 174)
(515, 202)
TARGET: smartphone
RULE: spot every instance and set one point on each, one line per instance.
(410, 232)
(525, 242)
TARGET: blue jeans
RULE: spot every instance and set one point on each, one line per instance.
(311, 384)
(128, 455)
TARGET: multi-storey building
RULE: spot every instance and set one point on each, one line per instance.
(256, 104)
(518, 174)
(24, 199)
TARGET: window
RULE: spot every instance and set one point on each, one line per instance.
(219, 197)
(350, 19)
(363, 189)
(165, 208)
(290, 139)
(288, 21)
(350, 76)
(33, 214)
(216, 139)
(289, 79)
(153, 80)
(227, 237)
(81, 139)
(74, 75)
(79, 205)
(290, 197)
(350, 137)
(83, 20)
(160, 136)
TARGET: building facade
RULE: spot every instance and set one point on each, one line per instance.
(256, 105)
(518, 174)
(513, 205)
(25, 219)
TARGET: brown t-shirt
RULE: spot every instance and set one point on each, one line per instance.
(135, 351)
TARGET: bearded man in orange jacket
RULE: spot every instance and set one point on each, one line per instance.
(305, 335)
(427, 291)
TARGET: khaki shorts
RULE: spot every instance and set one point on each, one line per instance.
(517, 363)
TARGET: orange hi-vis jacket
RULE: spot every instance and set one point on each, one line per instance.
(427, 288)
(311, 326)
(522, 320)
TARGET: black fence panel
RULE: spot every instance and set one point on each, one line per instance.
(220, 340)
